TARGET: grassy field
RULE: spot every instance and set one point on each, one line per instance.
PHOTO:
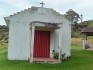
(80, 60)
(78, 41)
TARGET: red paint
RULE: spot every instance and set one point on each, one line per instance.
(42, 44)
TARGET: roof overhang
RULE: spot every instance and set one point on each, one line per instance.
(7, 20)
(45, 25)
(87, 31)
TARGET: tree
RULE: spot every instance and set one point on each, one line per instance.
(74, 17)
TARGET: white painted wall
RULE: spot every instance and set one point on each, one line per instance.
(65, 39)
(18, 41)
(19, 32)
(52, 39)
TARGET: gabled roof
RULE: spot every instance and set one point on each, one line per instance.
(88, 31)
(34, 8)
(7, 19)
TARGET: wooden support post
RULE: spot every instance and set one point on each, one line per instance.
(85, 41)
(32, 43)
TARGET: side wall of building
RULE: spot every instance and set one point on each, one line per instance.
(18, 41)
(66, 39)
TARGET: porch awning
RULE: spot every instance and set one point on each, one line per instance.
(39, 25)
(55, 23)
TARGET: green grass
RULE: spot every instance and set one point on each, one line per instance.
(80, 60)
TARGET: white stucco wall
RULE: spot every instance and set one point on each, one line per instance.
(18, 41)
(20, 33)
(52, 39)
(65, 39)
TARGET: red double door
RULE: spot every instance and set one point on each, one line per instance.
(42, 44)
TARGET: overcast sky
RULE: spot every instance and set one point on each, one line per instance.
(84, 7)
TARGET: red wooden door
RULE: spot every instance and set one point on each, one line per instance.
(42, 44)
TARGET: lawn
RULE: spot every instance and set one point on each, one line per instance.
(80, 60)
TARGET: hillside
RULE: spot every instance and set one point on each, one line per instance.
(89, 23)
(4, 31)
(84, 24)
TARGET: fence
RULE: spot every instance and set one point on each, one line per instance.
(79, 41)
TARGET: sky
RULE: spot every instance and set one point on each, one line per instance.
(84, 7)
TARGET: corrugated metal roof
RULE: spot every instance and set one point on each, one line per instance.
(88, 31)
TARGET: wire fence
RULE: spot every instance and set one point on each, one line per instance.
(79, 41)
(76, 41)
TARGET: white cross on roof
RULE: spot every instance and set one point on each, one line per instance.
(42, 4)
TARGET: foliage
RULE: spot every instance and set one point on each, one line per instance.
(55, 54)
(72, 15)
(77, 34)
(89, 23)
(3, 33)
(63, 57)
